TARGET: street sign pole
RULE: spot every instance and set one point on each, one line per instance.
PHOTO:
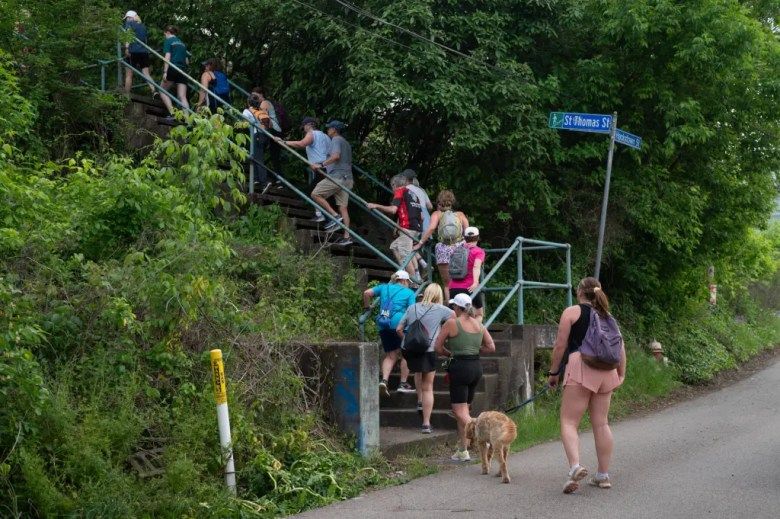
(605, 199)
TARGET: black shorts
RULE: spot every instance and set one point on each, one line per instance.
(477, 302)
(139, 60)
(464, 377)
(390, 340)
(174, 76)
(421, 362)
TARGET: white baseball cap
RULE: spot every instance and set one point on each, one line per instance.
(131, 14)
(471, 231)
(462, 300)
(401, 274)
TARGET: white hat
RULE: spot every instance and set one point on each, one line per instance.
(471, 231)
(131, 14)
(401, 274)
(462, 300)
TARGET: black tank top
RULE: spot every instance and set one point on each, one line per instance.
(578, 329)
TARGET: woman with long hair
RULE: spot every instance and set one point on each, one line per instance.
(466, 339)
(432, 314)
(449, 224)
(584, 387)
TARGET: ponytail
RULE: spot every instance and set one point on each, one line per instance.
(591, 289)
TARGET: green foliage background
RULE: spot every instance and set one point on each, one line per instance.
(117, 274)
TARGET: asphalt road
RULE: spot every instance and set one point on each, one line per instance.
(715, 456)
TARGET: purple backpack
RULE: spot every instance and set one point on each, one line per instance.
(601, 347)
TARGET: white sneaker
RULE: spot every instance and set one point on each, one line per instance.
(461, 456)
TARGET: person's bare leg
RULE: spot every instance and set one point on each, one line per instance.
(165, 96)
(388, 362)
(343, 209)
(181, 90)
(444, 273)
(404, 370)
(573, 405)
(324, 204)
(602, 434)
(427, 395)
(148, 75)
(462, 416)
(128, 80)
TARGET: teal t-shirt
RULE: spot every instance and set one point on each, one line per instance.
(177, 49)
(401, 298)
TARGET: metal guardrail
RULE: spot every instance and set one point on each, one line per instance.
(518, 248)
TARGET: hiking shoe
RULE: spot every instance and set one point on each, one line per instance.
(333, 224)
(345, 242)
(405, 387)
(426, 429)
(575, 475)
(461, 456)
(601, 483)
(383, 388)
(419, 408)
(318, 217)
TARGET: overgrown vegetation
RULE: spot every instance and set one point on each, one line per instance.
(118, 276)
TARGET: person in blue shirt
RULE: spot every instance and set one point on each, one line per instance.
(136, 54)
(394, 298)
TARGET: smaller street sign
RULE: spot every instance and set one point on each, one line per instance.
(595, 123)
(629, 139)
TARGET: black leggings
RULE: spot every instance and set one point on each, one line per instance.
(464, 377)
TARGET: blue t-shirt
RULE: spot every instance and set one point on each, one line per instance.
(401, 297)
(140, 32)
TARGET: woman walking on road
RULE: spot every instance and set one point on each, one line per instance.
(466, 338)
(431, 313)
(584, 387)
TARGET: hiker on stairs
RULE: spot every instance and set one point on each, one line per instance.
(275, 129)
(176, 53)
(394, 298)
(317, 145)
(135, 53)
(338, 166)
(255, 114)
(215, 80)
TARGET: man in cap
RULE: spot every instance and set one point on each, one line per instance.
(338, 166)
(317, 145)
(407, 209)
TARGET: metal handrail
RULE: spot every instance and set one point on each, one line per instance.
(354, 234)
(518, 247)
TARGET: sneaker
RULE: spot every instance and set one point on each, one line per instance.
(332, 224)
(345, 242)
(601, 483)
(169, 120)
(318, 217)
(423, 264)
(461, 456)
(575, 475)
(426, 429)
(419, 408)
(405, 387)
(383, 388)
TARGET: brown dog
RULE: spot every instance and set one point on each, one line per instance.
(492, 431)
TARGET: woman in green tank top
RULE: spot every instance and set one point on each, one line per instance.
(465, 338)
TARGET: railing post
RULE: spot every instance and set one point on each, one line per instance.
(568, 275)
(251, 162)
(521, 292)
(118, 65)
(102, 76)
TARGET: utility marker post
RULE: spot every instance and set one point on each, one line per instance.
(223, 418)
(605, 199)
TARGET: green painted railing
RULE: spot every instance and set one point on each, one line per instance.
(517, 249)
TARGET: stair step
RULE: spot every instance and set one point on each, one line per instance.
(396, 400)
(440, 418)
(379, 275)
(283, 201)
(159, 111)
(147, 100)
(488, 382)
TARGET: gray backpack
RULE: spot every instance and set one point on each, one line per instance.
(450, 230)
(459, 262)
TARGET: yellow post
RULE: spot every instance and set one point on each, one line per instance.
(223, 418)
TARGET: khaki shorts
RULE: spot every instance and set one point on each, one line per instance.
(326, 188)
(402, 247)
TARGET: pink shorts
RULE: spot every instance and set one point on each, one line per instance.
(596, 380)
